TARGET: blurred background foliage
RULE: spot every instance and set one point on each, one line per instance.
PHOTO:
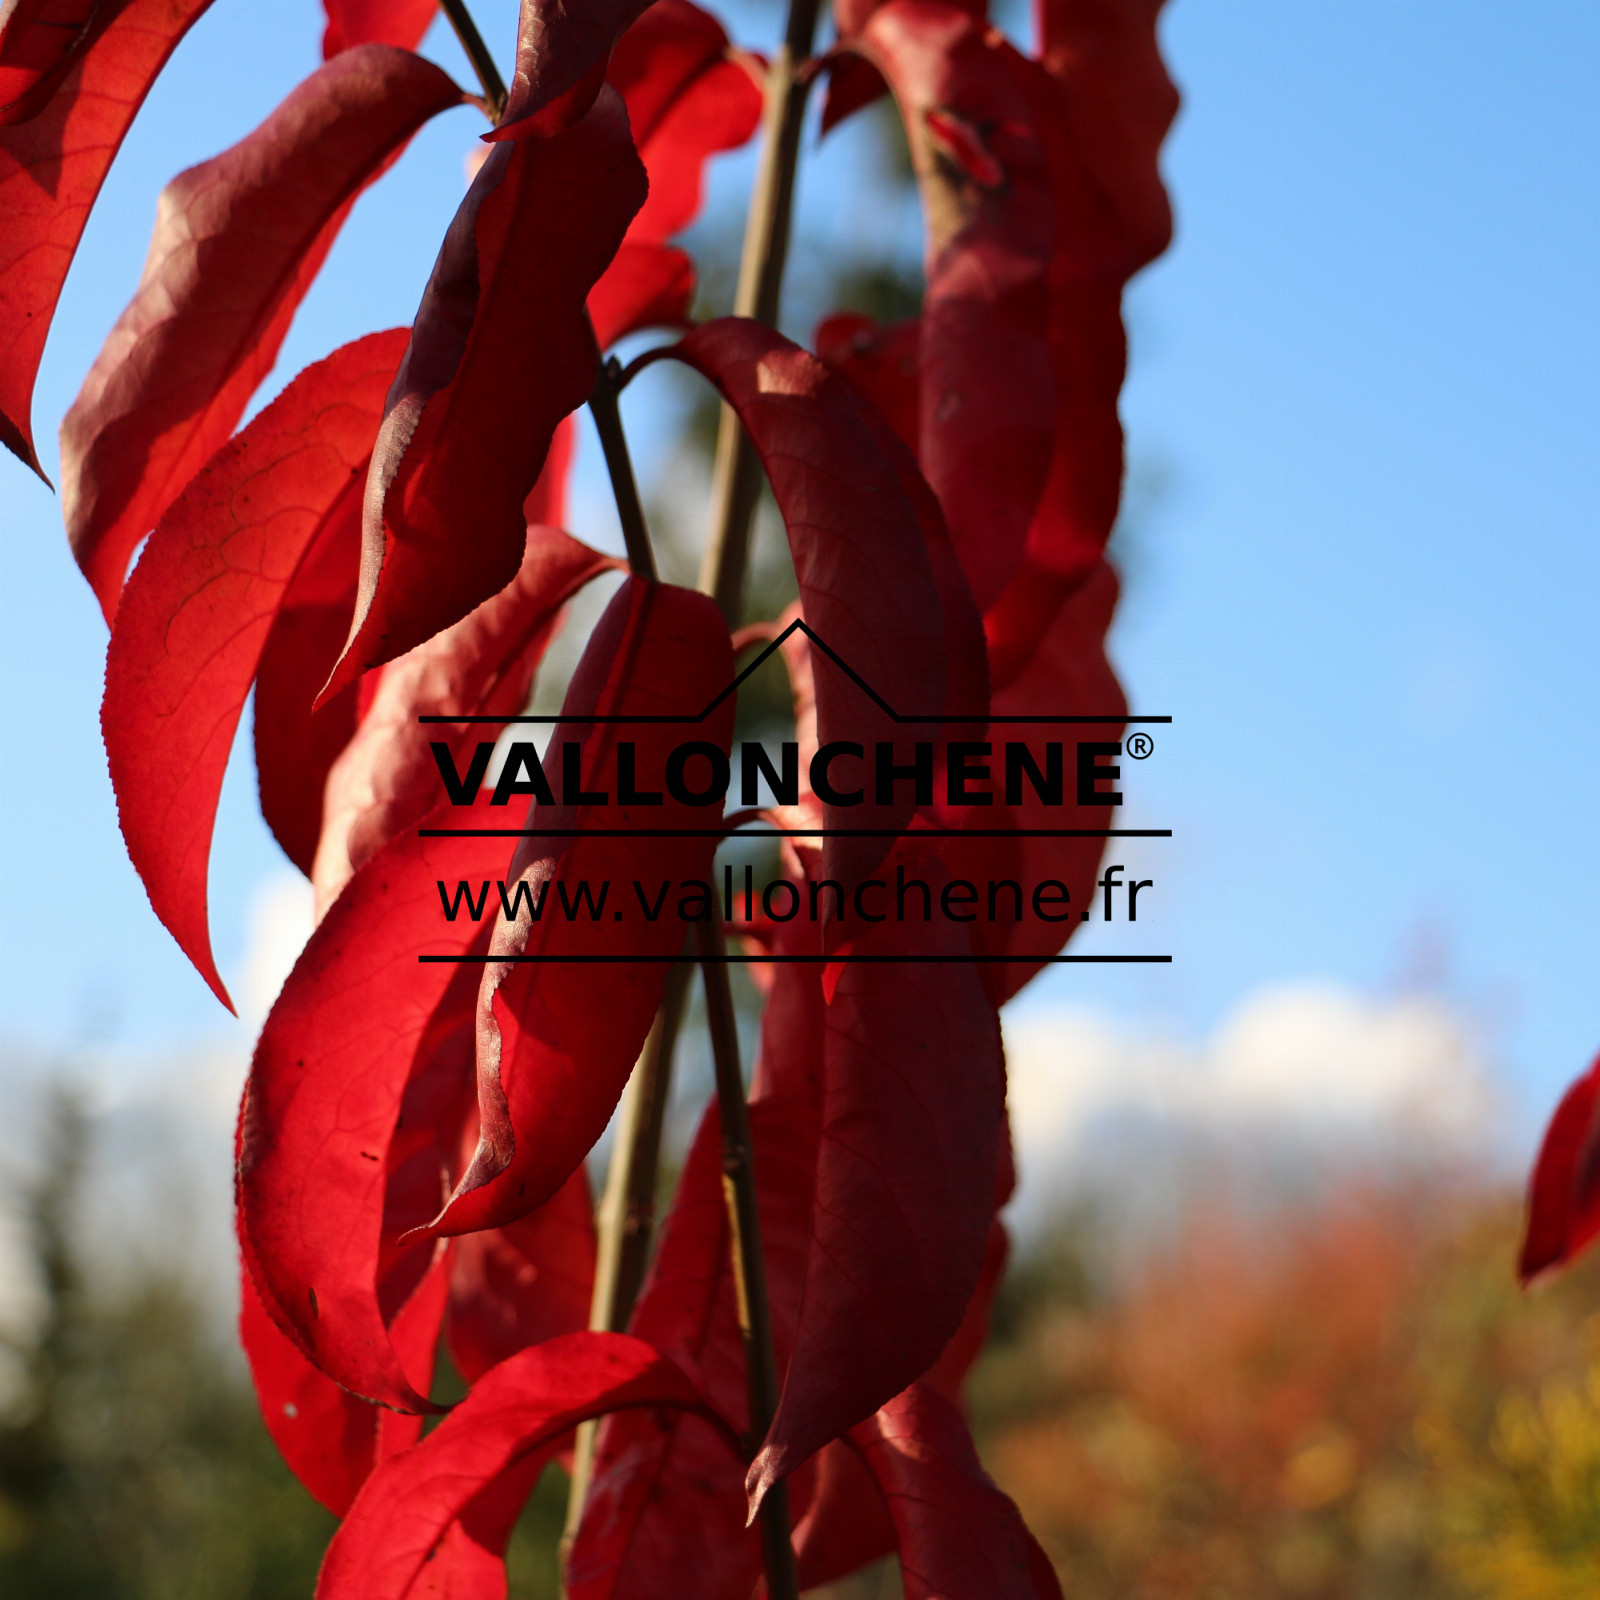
(1342, 1398)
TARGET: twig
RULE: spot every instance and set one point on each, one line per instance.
(608, 420)
(736, 478)
(494, 88)
(749, 1264)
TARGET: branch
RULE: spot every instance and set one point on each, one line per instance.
(608, 420)
(494, 88)
(736, 479)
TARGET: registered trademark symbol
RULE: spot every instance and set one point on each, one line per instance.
(1140, 745)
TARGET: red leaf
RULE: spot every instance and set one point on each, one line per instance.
(666, 1513)
(1103, 103)
(295, 746)
(988, 399)
(687, 98)
(912, 1114)
(516, 1414)
(522, 1284)
(51, 169)
(326, 1089)
(562, 51)
(867, 582)
(880, 364)
(330, 1439)
(847, 1525)
(500, 352)
(397, 22)
(198, 610)
(237, 243)
(387, 777)
(959, 1537)
(1066, 674)
(556, 1038)
(40, 40)
(1564, 1195)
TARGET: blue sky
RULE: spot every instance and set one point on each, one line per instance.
(1363, 385)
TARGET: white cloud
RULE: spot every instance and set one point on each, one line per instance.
(1300, 1075)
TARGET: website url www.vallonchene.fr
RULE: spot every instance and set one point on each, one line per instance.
(903, 898)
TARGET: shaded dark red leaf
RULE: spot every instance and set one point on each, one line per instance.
(387, 777)
(326, 1089)
(1564, 1194)
(1066, 674)
(913, 1108)
(397, 22)
(1103, 103)
(51, 169)
(500, 352)
(880, 364)
(524, 1283)
(959, 1537)
(199, 608)
(988, 398)
(846, 1526)
(562, 52)
(237, 242)
(556, 1039)
(514, 1418)
(867, 583)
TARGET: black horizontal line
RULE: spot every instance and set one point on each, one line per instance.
(729, 959)
(666, 721)
(795, 833)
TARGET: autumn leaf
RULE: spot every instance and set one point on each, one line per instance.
(199, 607)
(1564, 1195)
(561, 1019)
(512, 1420)
(500, 352)
(238, 241)
(396, 22)
(51, 169)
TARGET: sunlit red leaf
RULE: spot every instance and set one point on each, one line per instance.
(1564, 1195)
(330, 1439)
(513, 1419)
(688, 97)
(560, 1019)
(562, 52)
(397, 22)
(51, 169)
(988, 398)
(199, 608)
(959, 1537)
(500, 352)
(39, 42)
(387, 777)
(237, 242)
(357, 1025)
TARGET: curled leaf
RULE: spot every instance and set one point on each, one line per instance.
(198, 610)
(500, 353)
(51, 169)
(513, 1419)
(237, 243)
(562, 1012)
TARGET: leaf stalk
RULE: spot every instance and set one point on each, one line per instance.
(466, 30)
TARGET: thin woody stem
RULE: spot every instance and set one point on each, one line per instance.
(736, 478)
(749, 1263)
(608, 421)
(466, 30)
